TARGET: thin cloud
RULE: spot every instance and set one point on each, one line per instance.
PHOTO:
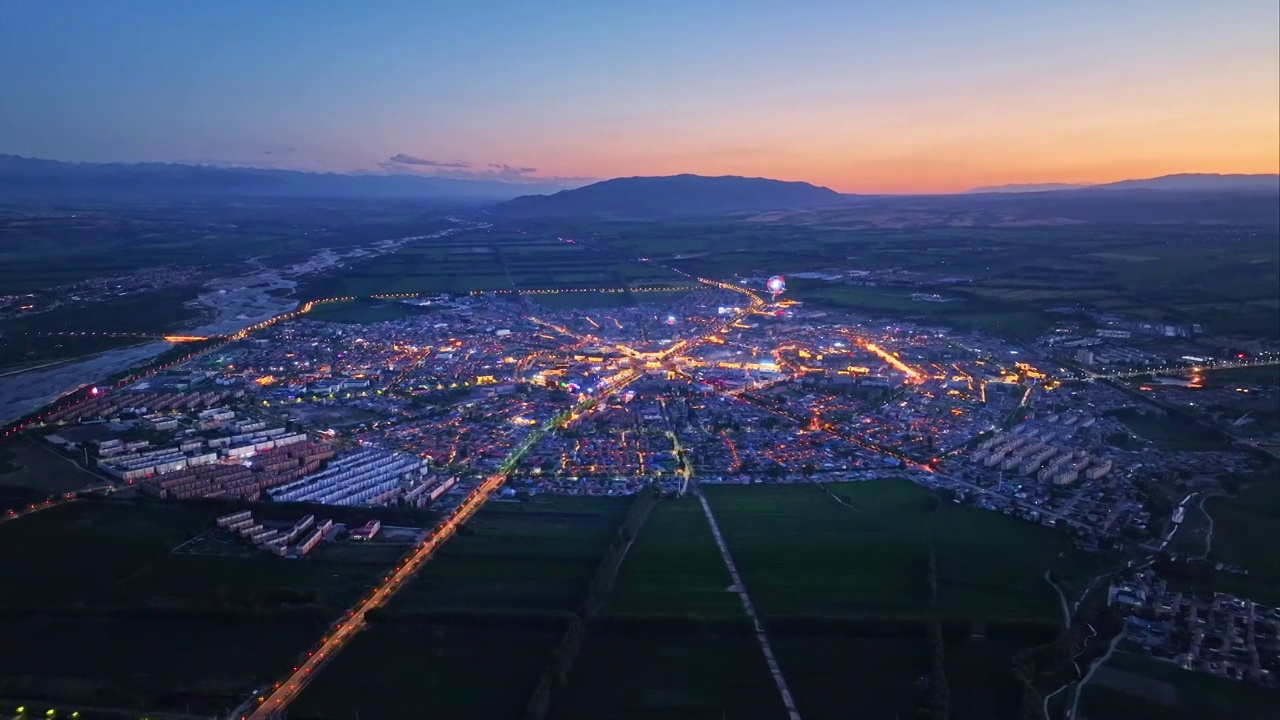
(505, 169)
(403, 159)
(465, 170)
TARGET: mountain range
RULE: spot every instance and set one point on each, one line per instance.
(35, 178)
(1208, 182)
(1251, 199)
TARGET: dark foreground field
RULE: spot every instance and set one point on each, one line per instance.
(1132, 687)
(704, 676)
(1245, 529)
(462, 673)
(845, 598)
(531, 556)
(98, 611)
(802, 554)
(469, 637)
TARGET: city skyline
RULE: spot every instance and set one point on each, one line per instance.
(846, 95)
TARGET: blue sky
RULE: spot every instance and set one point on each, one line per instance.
(856, 95)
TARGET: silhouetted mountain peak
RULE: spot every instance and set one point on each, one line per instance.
(673, 196)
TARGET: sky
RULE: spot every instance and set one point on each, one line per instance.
(906, 96)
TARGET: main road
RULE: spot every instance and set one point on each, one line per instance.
(284, 692)
(287, 690)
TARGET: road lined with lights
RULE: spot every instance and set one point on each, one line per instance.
(287, 690)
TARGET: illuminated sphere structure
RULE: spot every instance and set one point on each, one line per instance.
(776, 286)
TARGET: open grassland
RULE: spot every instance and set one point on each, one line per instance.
(525, 556)
(462, 673)
(802, 554)
(101, 610)
(26, 464)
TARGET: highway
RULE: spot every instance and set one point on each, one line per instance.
(287, 690)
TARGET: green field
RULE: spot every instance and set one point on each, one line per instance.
(478, 260)
(466, 673)
(100, 609)
(832, 675)
(980, 677)
(529, 556)
(1171, 433)
(803, 554)
(969, 311)
(1245, 529)
(469, 636)
(569, 301)
(844, 595)
(675, 642)
(1263, 375)
(1013, 273)
(669, 676)
(674, 568)
(205, 665)
(362, 311)
(1197, 696)
(42, 255)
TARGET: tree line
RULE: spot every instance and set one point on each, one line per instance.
(560, 663)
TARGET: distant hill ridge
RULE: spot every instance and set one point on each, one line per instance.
(1207, 182)
(673, 196)
(24, 177)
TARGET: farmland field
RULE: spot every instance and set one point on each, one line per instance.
(669, 676)
(93, 570)
(1148, 689)
(475, 261)
(1170, 433)
(980, 677)
(826, 579)
(674, 568)
(1245, 529)
(803, 554)
(364, 310)
(533, 556)
(469, 636)
(1008, 275)
(465, 673)
(566, 301)
(201, 664)
(830, 676)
